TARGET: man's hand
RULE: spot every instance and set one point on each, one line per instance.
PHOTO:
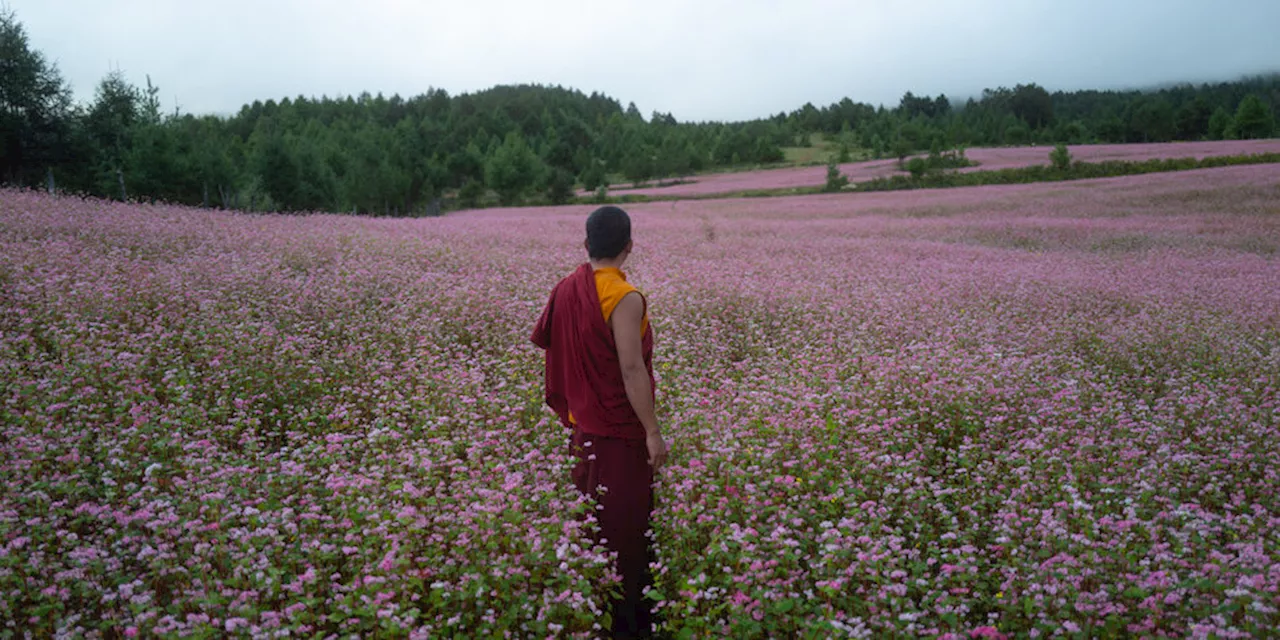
(657, 450)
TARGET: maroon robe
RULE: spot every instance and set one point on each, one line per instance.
(584, 377)
(583, 374)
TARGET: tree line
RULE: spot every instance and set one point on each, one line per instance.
(382, 155)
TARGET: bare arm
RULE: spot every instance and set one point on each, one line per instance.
(626, 321)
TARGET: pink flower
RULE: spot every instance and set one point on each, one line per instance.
(987, 632)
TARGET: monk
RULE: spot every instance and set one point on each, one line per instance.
(599, 381)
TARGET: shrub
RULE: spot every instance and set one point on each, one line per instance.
(1060, 157)
(835, 180)
(918, 167)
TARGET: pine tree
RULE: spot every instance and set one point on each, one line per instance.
(1254, 119)
(513, 169)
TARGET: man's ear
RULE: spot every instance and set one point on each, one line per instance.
(586, 244)
(629, 245)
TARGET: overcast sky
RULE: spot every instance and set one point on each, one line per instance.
(699, 59)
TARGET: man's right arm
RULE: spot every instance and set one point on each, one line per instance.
(626, 320)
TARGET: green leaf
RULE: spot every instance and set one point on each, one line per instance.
(655, 595)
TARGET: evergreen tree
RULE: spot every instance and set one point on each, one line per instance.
(1060, 157)
(110, 125)
(35, 108)
(1219, 123)
(513, 169)
(1192, 119)
(593, 176)
(1254, 119)
(471, 193)
(835, 180)
(560, 186)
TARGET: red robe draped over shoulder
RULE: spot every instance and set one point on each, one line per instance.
(583, 374)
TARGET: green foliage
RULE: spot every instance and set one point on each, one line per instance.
(836, 181)
(844, 155)
(1072, 132)
(901, 149)
(513, 169)
(917, 167)
(470, 194)
(594, 176)
(1254, 119)
(1017, 134)
(1060, 157)
(35, 109)
(1050, 173)
(1152, 120)
(560, 186)
(639, 166)
(1032, 104)
(1192, 119)
(1219, 124)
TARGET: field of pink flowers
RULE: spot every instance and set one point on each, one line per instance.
(987, 159)
(1040, 410)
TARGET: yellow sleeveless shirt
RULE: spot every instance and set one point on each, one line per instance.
(612, 287)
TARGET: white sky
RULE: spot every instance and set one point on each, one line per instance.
(701, 59)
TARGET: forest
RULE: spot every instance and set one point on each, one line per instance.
(526, 144)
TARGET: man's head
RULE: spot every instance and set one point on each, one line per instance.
(608, 234)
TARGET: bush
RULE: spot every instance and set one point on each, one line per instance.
(901, 149)
(877, 147)
(560, 187)
(470, 194)
(1060, 157)
(836, 181)
(918, 167)
(593, 176)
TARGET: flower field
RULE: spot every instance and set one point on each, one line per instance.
(988, 159)
(1044, 410)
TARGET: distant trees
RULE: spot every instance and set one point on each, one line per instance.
(35, 109)
(1254, 119)
(513, 169)
(593, 176)
(1151, 119)
(1192, 119)
(1032, 104)
(1220, 124)
(559, 186)
(372, 154)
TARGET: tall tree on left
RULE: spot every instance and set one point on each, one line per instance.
(110, 124)
(35, 110)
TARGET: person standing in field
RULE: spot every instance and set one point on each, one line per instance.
(599, 381)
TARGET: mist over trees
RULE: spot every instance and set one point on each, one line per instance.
(379, 155)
